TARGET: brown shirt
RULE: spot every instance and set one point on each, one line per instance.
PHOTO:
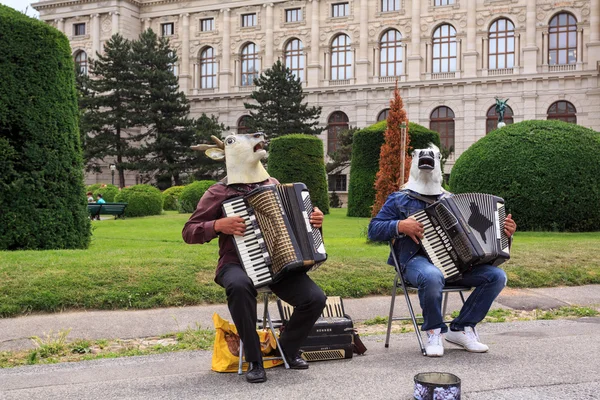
(200, 228)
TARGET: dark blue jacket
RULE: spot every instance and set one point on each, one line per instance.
(384, 227)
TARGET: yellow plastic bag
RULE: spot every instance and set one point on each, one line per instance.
(226, 351)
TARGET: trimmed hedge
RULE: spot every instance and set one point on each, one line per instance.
(43, 204)
(191, 195)
(93, 187)
(546, 171)
(171, 197)
(142, 200)
(364, 165)
(108, 192)
(299, 158)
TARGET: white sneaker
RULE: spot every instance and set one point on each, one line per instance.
(469, 339)
(435, 345)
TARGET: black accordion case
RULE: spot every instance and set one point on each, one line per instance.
(331, 337)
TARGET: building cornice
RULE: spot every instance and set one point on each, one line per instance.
(44, 5)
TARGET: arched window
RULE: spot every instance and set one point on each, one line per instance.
(563, 111)
(491, 119)
(208, 69)
(338, 121)
(341, 58)
(390, 55)
(444, 49)
(242, 125)
(294, 59)
(81, 62)
(562, 39)
(250, 64)
(442, 121)
(501, 44)
(383, 115)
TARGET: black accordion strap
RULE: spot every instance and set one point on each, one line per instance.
(424, 198)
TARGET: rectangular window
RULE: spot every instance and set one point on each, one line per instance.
(207, 24)
(390, 5)
(293, 15)
(248, 20)
(340, 10)
(337, 183)
(167, 29)
(443, 2)
(78, 29)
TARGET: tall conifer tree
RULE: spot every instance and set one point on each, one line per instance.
(105, 106)
(280, 110)
(168, 132)
(388, 178)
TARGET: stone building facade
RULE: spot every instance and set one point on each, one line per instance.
(449, 57)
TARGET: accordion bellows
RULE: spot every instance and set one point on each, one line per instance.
(463, 231)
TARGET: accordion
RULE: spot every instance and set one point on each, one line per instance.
(463, 231)
(331, 337)
(279, 238)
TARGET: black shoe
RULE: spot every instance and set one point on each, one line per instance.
(256, 373)
(296, 362)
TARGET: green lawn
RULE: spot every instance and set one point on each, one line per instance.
(143, 263)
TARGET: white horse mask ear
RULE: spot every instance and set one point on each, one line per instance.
(426, 171)
(215, 154)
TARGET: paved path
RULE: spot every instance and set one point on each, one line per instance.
(15, 332)
(547, 360)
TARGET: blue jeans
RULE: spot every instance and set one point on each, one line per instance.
(487, 280)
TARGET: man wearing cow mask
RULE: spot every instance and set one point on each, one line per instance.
(424, 187)
(242, 155)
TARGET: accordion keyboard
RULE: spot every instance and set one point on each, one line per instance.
(251, 247)
(437, 245)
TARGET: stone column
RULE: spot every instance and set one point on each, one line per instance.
(269, 60)
(196, 78)
(414, 60)
(314, 64)
(95, 34)
(545, 40)
(147, 23)
(184, 74)
(530, 50)
(594, 21)
(517, 50)
(225, 71)
(362, 62)
(470, 55)
(579, 48)
(60, 24)
(114, 22)
(486, 58)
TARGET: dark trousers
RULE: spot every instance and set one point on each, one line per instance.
(296, 289)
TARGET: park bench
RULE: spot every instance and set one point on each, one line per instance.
(116, 209)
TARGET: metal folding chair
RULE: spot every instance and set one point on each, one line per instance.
(399, 281)
(262, 324)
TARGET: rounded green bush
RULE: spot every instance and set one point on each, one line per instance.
(299, 158)
(92, 188)
(366, 145)
(171, 197)
(108, 192)
(191, 194)
(43, 204)
(142, 200)
(546, 171)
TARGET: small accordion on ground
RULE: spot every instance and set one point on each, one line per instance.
(463, 231)
(331, 337)
(279, 238)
